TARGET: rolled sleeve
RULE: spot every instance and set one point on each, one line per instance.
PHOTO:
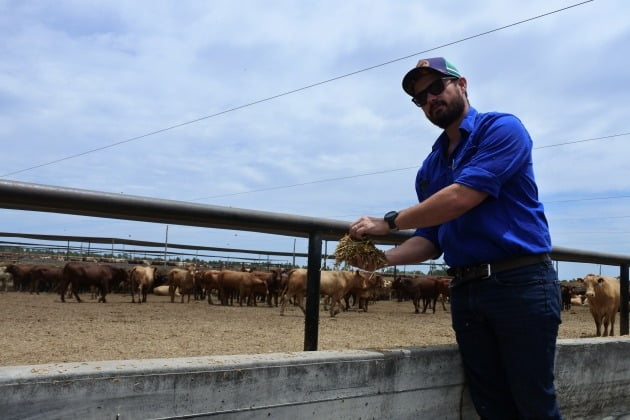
(504, 148)
(431, 234)
(480, 179)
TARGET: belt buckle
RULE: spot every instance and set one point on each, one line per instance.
(488, 271)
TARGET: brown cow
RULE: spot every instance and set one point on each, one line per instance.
(273, 279)
(102, 276)
(603, 295)
(421, 287)
(45, 277)
(276, 286)
(208, 280)
(567, 293)
(182, 279)
(244, 284)
(229, 285)
(142, 279)
(251, 285)
(21, 275)
(443, 288)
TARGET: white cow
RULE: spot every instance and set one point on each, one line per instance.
(5, 278)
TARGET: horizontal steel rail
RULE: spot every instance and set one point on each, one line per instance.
(149, 244)
(46, 198)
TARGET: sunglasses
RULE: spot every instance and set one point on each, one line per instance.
(434, 88)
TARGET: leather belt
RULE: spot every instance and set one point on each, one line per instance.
(483, 271)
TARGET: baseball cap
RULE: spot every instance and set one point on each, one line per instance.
(426, 66)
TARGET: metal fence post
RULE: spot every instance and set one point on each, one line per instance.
(311, 319)
(623, 307)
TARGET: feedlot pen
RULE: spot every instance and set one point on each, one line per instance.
(40, 329)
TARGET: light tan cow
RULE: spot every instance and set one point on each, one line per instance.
(363, 292)
(295, 288)
(336, 284)
(229, 281)
(577, 300)
(5, 278)
(603, 295)
(249, 287)
(242, 284)
(141, 279)
(163, 291)
(182, 279)
(333, 284)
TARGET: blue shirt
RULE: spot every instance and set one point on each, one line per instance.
(494, 155)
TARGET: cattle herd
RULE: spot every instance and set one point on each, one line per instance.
(340, 290)
(278, 287)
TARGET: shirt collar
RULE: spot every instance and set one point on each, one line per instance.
(466, 126)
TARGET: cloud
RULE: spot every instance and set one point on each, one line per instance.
(79, 76)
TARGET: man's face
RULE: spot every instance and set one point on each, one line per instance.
(447, 107)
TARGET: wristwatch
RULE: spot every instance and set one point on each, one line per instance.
(390, 218)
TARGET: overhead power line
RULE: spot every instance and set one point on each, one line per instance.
(588, 199)
(319, 181)
(290, 92)
(582, 141)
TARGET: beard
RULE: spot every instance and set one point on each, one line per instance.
(448, 113)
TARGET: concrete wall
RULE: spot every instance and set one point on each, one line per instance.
(592, 375)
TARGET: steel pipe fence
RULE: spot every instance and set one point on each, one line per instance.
(53, 199)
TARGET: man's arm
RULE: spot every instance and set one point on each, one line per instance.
(414, 250)
(445, 205)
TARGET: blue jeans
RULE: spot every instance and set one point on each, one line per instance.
(506, 327)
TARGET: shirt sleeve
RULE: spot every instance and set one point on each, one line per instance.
(431, 234)
(503, 148)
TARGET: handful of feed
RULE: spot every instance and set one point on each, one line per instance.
(360, 253)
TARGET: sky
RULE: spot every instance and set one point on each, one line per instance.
(296, 107)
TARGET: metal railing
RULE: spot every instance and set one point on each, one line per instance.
(53, 199)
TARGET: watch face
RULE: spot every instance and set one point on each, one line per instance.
(390, 218)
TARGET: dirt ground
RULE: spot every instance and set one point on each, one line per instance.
(40, 329)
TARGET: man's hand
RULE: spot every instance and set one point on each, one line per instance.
(368, 226)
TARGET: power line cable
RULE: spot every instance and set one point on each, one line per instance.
(572, 200)
(290, 92)
(589, 218)
(582, 141)
(280, 187)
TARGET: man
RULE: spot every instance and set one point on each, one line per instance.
(478, 205)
